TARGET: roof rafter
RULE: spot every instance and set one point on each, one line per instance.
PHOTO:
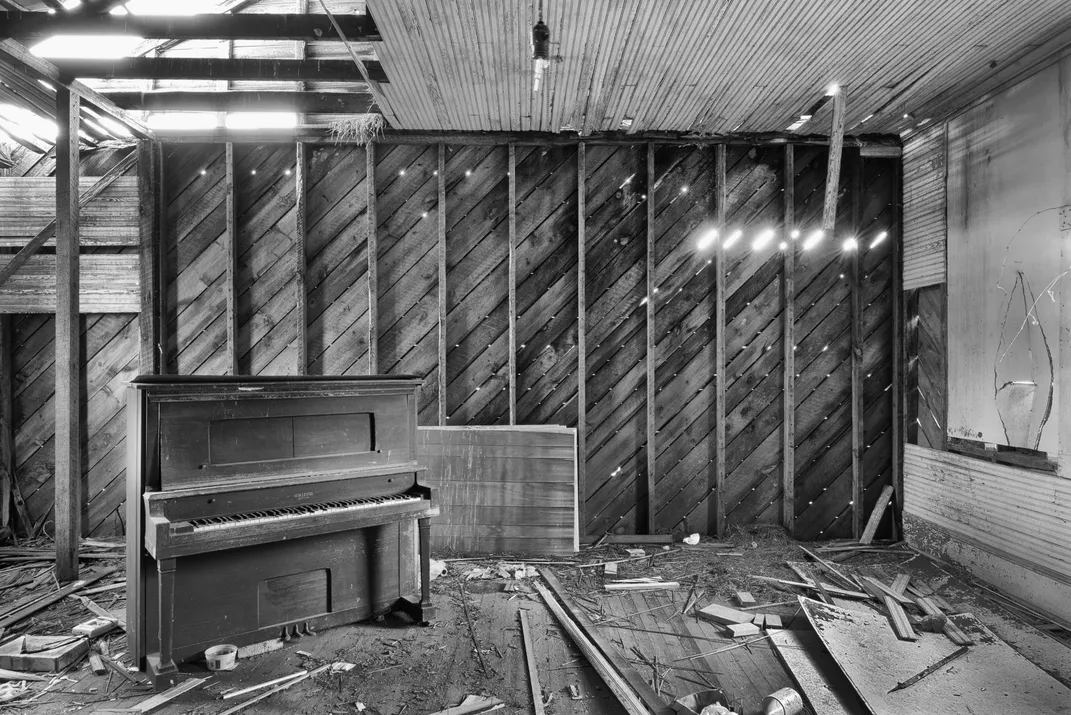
(244, 101)
(217, 68)
(249, 26)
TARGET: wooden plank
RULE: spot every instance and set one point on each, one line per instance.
(720, 379)
(630, 688)
(68, 439)
(957, 634)
(27, 203)
(875, 515)
(652, 420)
(788, 342)
(161, 254)
(301, 240)
(529, 655)
(231, 26)
(444, 379)
(512, 219)
(742, 630)
(372, 257)
(898, 620)
(236, 100)
(898, 377)
(219, 68)
(724, 615)
(22, 57)
(836, 145)
(148, 224)
(816, 673)
(858, 404)
(7, 431)
(24, 253)
(581, 329)
(885, 590)
(161, 699)
(901, 582)
(231, 285)
(109, 284)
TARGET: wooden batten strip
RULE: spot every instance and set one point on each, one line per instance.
(7, 427)
(443, 381)
(858, 406)
(232, 264)
(718, 509)
(836, 145)
(372, 257)
(652, 447)
(581, 326)
(897, 337)
(788, 316)
(68, 438)
(300, 267)
(512, 284)
(149, 352)
(161, 256)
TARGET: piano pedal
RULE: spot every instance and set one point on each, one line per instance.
(308, 629)
(286, 633)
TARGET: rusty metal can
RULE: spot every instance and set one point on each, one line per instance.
(785, 701)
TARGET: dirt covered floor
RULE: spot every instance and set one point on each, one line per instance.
(399, 667)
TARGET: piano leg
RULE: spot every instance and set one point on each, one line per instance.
(162, 670)
(421, 612)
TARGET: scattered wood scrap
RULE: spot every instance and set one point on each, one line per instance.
(161, 699)
(772, 621)
(744, 598)
(842, 593)
(723, 615)
(471, 705)
(875, 516)
(898, 619)
(231, 694)
(282, 686)
(742, 630)
(529, 655)
(51, 598)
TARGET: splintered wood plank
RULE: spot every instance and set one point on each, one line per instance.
(898, 619)
(876, 514)
(875, 663)
(822, 683)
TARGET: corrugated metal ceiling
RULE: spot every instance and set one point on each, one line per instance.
(713, 67)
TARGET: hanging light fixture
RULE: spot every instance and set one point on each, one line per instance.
(540, 49)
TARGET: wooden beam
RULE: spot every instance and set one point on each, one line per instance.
(856, 312)
(441, 228)
(652, 413)
(161, 267)
(722, 198)
(372, 257)
(317, 133)
(897, 336)
(220, 68)
(836, 144)
(68, 439)
(512, 329)
(232, 264)
(788, 317)
(530, 658)
(13, 53)
(92, 6)
(300, 241)
(581, 328)
(248, 26)
(19, 259)
(170, 100)
(7, 427)
(148, 248)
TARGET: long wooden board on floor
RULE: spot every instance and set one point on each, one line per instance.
(875, 662)
(819, 678)
(502, 488)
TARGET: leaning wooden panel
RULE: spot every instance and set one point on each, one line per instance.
(28, 203)
(109, 284)
(503, 488)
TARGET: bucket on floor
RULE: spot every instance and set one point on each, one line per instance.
(221, 657)
(785, 701)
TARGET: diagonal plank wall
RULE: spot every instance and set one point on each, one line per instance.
(445, 211)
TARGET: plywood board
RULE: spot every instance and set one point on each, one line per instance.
(502, 488)
(875, 661)
(819, 678)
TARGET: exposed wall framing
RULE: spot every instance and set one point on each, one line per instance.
(442, 213)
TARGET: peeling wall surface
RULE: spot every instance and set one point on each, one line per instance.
(1005, 192)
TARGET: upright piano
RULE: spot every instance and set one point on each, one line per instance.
(264, 507)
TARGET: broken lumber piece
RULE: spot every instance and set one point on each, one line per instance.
(829, 567)
(529, 655)
(900, 583)
(831, 589)
(282, 686)
(470, 705)
(740, 630)
(643, 586)
(898, 619)
(956, 634)
(652, 701)
(744, 598)
(6, 674)
(724, 615)
(160, 699)
(606, 671)
(875, 516)
(230, 694)
(772, 621)
(610, 569)
(885, 590)
(759, 620)
(48, 600)
(96, 664)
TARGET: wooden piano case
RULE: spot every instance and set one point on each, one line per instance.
(269, 507)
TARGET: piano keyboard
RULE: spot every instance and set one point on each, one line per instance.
(305, 510)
